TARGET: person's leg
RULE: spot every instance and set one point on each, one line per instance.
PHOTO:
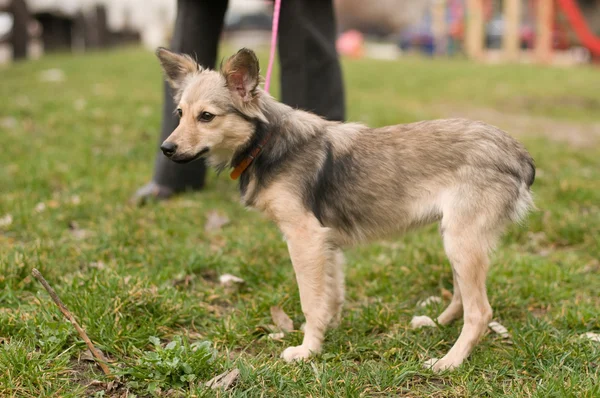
(197, 31)
(311, 75)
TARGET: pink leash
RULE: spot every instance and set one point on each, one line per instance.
(274, 30)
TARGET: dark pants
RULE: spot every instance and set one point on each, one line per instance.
(311, 76)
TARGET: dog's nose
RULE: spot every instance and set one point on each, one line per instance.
(168, 148)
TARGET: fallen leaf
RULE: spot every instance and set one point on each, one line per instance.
(215, 221)
(171, 393)
(277, 336)
(225, 380)
(6, 220)
(112, 385)
(53, 204)
(499, 329)
(98, 265)
(229, 280)
(185, 281)
(87, 356)
(430, 300)
(40, 207)
(591, 336)
(52, 75)
(264, 330)
(77, 232)
(281, 319)
(195, 336)
(447, 294)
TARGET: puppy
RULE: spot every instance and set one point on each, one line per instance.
(328, 185)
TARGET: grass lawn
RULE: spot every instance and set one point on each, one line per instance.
(140, 278)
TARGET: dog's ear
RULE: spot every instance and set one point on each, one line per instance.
(177, 67)
(241, 71)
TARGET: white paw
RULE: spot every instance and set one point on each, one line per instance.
(439, 365)
(295, 353)
(420, 321)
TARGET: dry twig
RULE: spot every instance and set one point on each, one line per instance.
(100, 358)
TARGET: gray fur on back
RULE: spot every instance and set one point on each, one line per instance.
(365, 181)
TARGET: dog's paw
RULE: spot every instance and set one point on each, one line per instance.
(297, 353)
(440, 365)
(420, 321)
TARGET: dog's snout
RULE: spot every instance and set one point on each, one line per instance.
(168, 148)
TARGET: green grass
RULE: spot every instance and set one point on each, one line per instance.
(84, 145)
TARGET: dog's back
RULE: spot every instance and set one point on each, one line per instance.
(390, 179)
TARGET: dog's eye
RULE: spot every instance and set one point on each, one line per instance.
(206, 117)
(179, 112)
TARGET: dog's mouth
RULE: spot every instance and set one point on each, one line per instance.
(186, 159)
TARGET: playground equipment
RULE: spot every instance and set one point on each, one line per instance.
(544, 22)
(577, 21)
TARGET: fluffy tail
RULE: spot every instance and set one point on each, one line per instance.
(529, 169)
(525, 202)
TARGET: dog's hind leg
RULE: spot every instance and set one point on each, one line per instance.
(336, 287)
(451, 313)
(468, 253)
(455, 308)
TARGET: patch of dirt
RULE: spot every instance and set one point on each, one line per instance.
(579, 135)
(111, 389)
(564, 101)
(538, 312)
(209, 276)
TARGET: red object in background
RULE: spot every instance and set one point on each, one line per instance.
(351, 43)
(579, 25)
(457, 24)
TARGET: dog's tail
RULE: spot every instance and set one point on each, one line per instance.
(528, 170)
(524, 203)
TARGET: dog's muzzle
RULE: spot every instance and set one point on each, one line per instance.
(168, 148)
(170, 151)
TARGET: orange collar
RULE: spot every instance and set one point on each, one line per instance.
(244, 164)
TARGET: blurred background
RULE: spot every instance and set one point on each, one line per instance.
(561, 32)
(81, 110)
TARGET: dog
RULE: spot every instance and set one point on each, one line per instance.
(328, 185)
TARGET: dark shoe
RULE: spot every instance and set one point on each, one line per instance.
(151, 192)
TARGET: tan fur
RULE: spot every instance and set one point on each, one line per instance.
(316, 265)
(328, 185)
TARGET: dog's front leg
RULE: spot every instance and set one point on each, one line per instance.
(311, 256)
